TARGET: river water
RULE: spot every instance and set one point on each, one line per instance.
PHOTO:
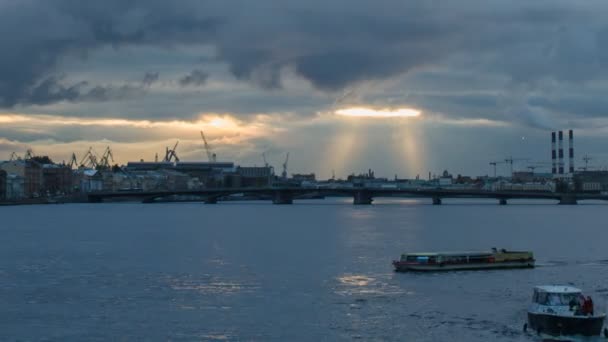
(315, 270)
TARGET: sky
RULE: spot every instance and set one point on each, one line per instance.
(401, 87)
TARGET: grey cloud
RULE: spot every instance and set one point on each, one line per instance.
(332, 44)
(52, 89)
(149, 78)
(196, 78)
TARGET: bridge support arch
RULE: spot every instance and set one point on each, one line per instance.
(567, 199)
(502, 201)
(362, 198)
(282, 197)
(436, 200)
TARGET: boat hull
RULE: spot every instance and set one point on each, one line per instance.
(401, 266)
(556, 325)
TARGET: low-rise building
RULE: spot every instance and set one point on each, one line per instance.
(15, 187)
(591, 181)
(57, 179)
(31, 173)
(3, 175)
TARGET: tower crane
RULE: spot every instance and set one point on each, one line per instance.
(284, 173)
(211, 156)
(171, 154)
(586, 159)
(494, 163)
(510, 161)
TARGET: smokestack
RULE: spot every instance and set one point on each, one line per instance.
(553, 155)
(571, 150)
(560, 153)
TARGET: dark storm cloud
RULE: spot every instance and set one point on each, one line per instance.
(332, 44)
(196, 78)
(52, 89)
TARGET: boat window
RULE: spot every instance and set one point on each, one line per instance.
(541, 298)
(422, 259)
(411, 258)
(560, 298)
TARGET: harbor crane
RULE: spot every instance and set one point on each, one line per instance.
(171, 154)
(211, 156)
(73, 161)
(14, 156)
(29, 154)
(284, 173)
(89, 160)
(266, 163)
(104, 162)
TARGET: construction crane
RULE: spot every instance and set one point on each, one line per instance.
(284, 173)
(586, 159)
(535, 165)
(171, 154)
(510, 161)
(104, 162)
(264, 158)
(211, 156)
(494, 163)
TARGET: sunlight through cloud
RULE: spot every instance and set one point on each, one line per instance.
(363, 112)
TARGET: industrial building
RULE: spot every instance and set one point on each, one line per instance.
(591, 181)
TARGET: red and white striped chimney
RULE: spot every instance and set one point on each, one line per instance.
(571, 151)
(560, 153)
(553, 155)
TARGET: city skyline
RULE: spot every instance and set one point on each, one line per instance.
(401, 88)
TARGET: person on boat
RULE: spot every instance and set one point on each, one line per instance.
(573, 304)
(587, 308)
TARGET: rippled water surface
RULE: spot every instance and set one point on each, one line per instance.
(315, 270)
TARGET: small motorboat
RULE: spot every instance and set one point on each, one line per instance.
(448, 261)
(558, 310)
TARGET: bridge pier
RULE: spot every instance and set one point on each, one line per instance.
(95, 199)
(502, 201)
(436, 200)
(282, 197)
(362, 198)
(567, 199)
(210, 200)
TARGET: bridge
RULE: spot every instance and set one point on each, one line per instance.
(360, 195)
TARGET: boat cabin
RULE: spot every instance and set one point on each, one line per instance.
(447, 258)
(554, 295)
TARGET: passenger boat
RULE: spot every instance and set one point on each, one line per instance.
(447, 261)
(556, 311)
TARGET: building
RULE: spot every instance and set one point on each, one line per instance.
(3, 175)
(31, 173)
(56, 179)
(254, 176)
(149, 166)
(211, 174)
(591, 181)
(14, 187)
(88, 180)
